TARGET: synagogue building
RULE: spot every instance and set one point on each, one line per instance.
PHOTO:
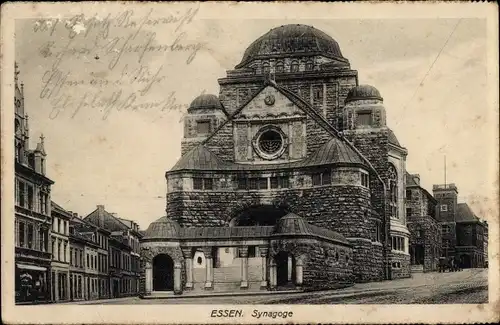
(290, 178)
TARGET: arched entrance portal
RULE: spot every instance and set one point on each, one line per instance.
(163, 273)
(285, 269)
(259, 215)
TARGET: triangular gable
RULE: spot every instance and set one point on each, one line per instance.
(282, 106)
(290, 96)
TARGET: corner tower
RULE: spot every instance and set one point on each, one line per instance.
(205, 114)
(365, 125)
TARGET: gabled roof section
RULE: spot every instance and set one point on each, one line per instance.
(410, 181)
(59, 209)
(199, 158)
(393, 139)
(332, 152)
(465, 213)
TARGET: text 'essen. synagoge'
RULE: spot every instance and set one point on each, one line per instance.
(290, 178)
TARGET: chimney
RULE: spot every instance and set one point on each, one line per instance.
(75, 215)
(100, 208)
(416, 178)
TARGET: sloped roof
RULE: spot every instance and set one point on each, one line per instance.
(333, 152)
(410, 181)
(164, 227)
(199, 158)
(465, 213)
(57, 208)
(393, 139)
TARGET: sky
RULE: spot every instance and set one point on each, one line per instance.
(432, 74)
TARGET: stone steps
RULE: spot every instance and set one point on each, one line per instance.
(417, 268)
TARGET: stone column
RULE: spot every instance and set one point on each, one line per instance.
(244, 267)
(299, 272)
(263, 255)
(207, 251)
(289, 268)
(177, 278)
(149, 278)
(188, 263)
(56, 284)
(272, 273)
(68, 287)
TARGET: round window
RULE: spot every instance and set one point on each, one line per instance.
(199, 260)
(270, 142)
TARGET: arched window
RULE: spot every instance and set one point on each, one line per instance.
(265, 68)
(309, 66)
(294, 66)
(279, 67)
(393, 190)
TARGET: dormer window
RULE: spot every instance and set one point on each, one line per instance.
(266, 68)
(279, 67)
(364, 119)
(294, 67)
(203, 127)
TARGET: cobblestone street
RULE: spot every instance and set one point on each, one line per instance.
(468, 286)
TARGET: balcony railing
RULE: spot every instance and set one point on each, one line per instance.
(32, 253)
(31, 213)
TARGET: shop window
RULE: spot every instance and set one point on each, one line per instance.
(294, 66)
(365, 179)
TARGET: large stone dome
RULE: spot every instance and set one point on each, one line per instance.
(163, 228)
(292, 39)
(205, 101)
(363, 92)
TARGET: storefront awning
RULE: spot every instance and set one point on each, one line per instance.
(31, 267)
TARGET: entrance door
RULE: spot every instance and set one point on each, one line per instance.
(163, 273)
(285, 269)
(419, 254)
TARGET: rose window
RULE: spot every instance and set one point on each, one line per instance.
(270, 142)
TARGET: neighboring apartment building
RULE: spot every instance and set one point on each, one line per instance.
(425, 230)
(32, 210)
(91, 259)
(60, 266)
(123, 251)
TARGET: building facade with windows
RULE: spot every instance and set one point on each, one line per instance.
(463, 233)
(60, 266)
(32, 210)
(123, 251)
(425, 230)
(293, 160)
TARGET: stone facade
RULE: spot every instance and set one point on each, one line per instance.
(425, 230)
(291, 133)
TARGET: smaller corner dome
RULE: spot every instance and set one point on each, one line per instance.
(363, 92)
(292, 224)
(205, 101)
(162, 228)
